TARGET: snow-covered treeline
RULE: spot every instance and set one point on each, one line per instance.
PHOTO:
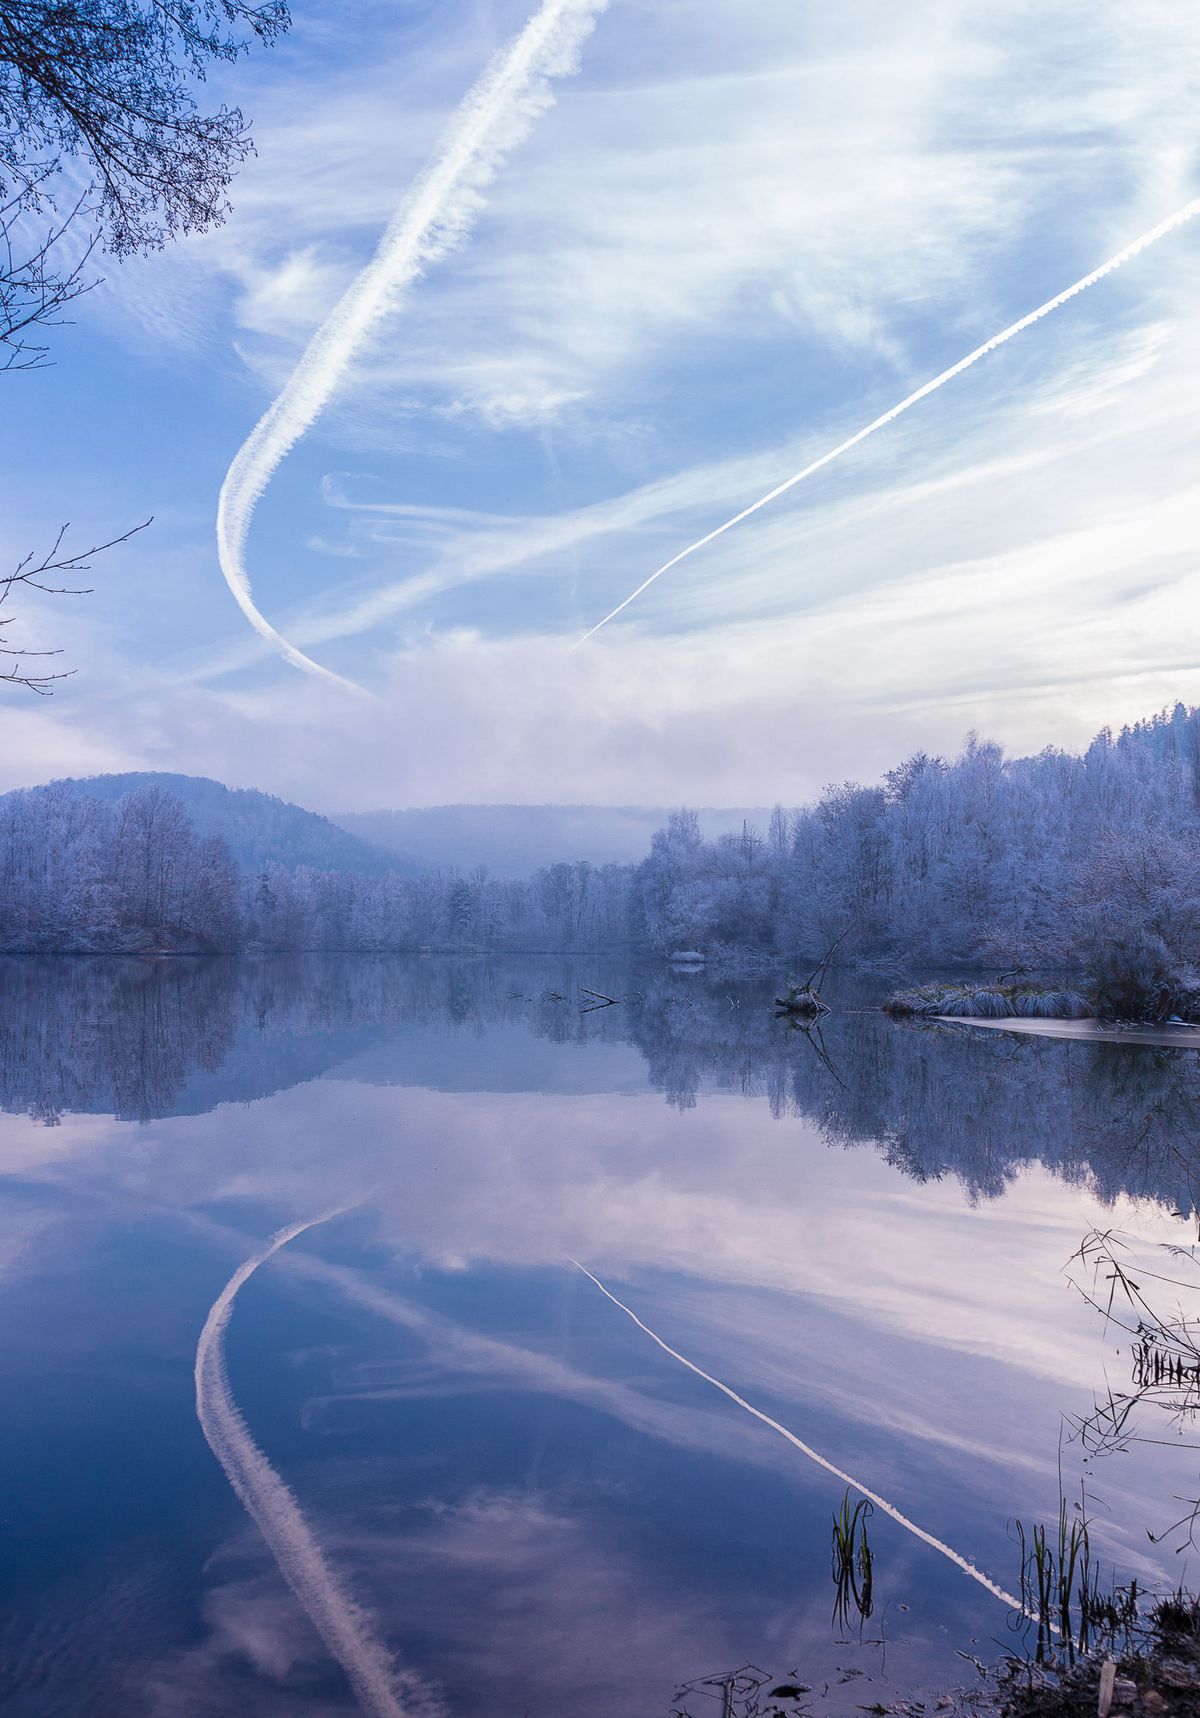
(1046, 861)
(1036, 862)
(77, 874)
(578, 906)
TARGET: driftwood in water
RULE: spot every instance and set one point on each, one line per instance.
(803, 999)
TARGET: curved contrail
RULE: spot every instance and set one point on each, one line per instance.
(494, 116)
(1139, 244)
(340, 1623)
(956, 1557)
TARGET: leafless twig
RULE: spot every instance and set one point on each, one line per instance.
(56, 574)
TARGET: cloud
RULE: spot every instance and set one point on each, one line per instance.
(45, 746)
(1097, 555)
(943, 1349)
(381, 1688)
(912, 399)
(434, 218)
(251, 1624)
(725, 246)
(482, 1183)
(751, 714)
(735, 178)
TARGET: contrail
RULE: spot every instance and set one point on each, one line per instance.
(955, 1557)
(495, 115)
(1114, 262)
(340, 1623)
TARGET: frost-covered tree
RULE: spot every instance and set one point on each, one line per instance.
(1053, 860)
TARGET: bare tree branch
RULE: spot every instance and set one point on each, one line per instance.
(102, 93)
(37, 282)
(45, 575)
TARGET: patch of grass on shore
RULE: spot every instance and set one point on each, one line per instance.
(989, 1001)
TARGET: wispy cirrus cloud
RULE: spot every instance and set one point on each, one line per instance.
(734, 239)
(829, 183)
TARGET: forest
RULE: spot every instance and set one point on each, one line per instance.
(1057, 861)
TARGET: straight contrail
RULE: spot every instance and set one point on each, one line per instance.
(340, 1623)
(437, 214)
(1114, 262)
(955, 1557)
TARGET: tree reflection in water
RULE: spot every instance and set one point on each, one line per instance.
(129, 1038)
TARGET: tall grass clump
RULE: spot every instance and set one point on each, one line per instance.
(1136, 1664)
(1061, 1592)
(1175, 1620)
(1050, 1005)
(989, 1002)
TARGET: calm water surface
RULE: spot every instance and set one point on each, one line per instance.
(442, 1472)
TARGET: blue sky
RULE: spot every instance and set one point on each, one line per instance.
(739, 233)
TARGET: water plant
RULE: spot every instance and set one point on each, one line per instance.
(1148, 1664)
(1061, 1592)
(1159, 1311)
(853, 1562)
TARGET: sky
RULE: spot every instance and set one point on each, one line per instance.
(737, 235)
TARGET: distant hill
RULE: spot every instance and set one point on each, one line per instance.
(513, 840)
(257, 826)
(510, 840)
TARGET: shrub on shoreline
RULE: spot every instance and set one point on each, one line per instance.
(1135, 977)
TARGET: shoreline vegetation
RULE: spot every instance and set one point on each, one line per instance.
(1155, 1676)
(1087, 864)
(989, 999)
(1118, 1651)
(1055, 1008)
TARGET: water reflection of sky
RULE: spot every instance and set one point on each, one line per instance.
(540, 1511)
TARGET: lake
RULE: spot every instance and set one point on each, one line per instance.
(416, 1460)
